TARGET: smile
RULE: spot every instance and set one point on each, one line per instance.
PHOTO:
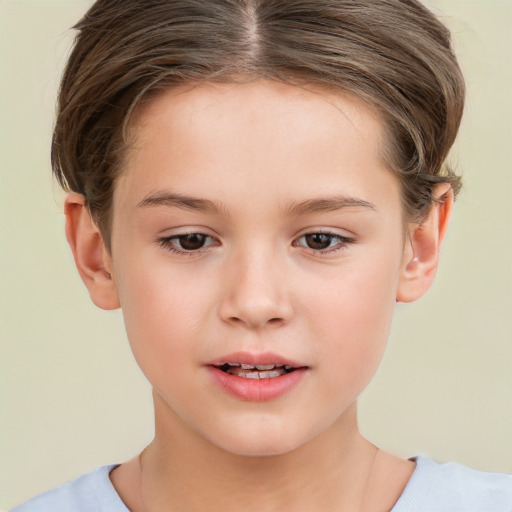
(248, 371)
(257, 377)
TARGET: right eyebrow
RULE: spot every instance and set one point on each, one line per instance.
(171, 199)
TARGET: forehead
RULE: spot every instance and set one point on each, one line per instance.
(266, 107)
(227, 140)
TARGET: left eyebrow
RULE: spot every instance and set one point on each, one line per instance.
(328, 204)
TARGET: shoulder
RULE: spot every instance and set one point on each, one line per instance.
(92, 491)
(452, 487)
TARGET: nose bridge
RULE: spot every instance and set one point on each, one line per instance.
(257, 293)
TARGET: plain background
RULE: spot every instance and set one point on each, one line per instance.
(71, 396)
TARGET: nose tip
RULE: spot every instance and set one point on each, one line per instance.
(256, 299)
(255, 318)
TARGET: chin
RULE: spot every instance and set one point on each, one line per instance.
(266, 441)
(259, 448)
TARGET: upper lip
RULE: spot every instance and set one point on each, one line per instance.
(263, 358)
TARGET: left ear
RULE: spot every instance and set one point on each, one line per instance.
(421, 254)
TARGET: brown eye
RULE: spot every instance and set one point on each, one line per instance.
(319, 241)
(324, 243)
(191, 242)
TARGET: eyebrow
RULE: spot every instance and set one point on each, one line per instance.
(334, 203)
(175, 200)
(328, 204)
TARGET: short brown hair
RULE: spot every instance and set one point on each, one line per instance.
(393, 54)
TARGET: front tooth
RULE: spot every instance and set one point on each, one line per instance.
(269, 375)
(247, 366)
(251, 375)
(265, 366)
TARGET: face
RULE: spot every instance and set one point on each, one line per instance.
(257, 224)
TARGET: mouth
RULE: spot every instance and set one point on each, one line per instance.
(257, 377)
(258, 371)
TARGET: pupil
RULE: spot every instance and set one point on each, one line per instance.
(318, 240)
(192, 242)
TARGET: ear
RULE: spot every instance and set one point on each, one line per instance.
(92, 260)
(421, 254)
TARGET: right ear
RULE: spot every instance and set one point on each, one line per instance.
(92, 259)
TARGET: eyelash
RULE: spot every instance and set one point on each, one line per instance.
(167, 243)
(343, 242)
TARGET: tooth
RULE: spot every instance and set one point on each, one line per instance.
(250, 375)
(270, 375)
(253, 374)
(247, 366)
(265, 366)
(233, 364)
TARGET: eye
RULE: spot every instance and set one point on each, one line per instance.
(323, 242)
(187, 243)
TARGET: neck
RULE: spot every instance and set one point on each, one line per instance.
(181, 470)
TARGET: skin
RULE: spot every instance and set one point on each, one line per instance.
(258, 151)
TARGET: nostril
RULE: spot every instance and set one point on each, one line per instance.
(256, 323)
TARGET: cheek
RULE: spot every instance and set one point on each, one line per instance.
(352, 318)
(163, 313)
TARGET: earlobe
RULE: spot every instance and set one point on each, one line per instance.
(421, 255)
(92, 260)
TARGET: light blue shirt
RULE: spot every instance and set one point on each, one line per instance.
(432, 488)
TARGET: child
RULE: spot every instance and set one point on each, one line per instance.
(255, 184)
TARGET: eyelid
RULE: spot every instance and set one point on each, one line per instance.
(166, 242)
(344, 241)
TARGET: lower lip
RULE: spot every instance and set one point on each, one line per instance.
(256, 390)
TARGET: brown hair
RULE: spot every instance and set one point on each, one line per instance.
(393, 54)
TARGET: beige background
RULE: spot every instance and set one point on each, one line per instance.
(71, 396)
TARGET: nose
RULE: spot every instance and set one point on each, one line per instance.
(256, 292)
